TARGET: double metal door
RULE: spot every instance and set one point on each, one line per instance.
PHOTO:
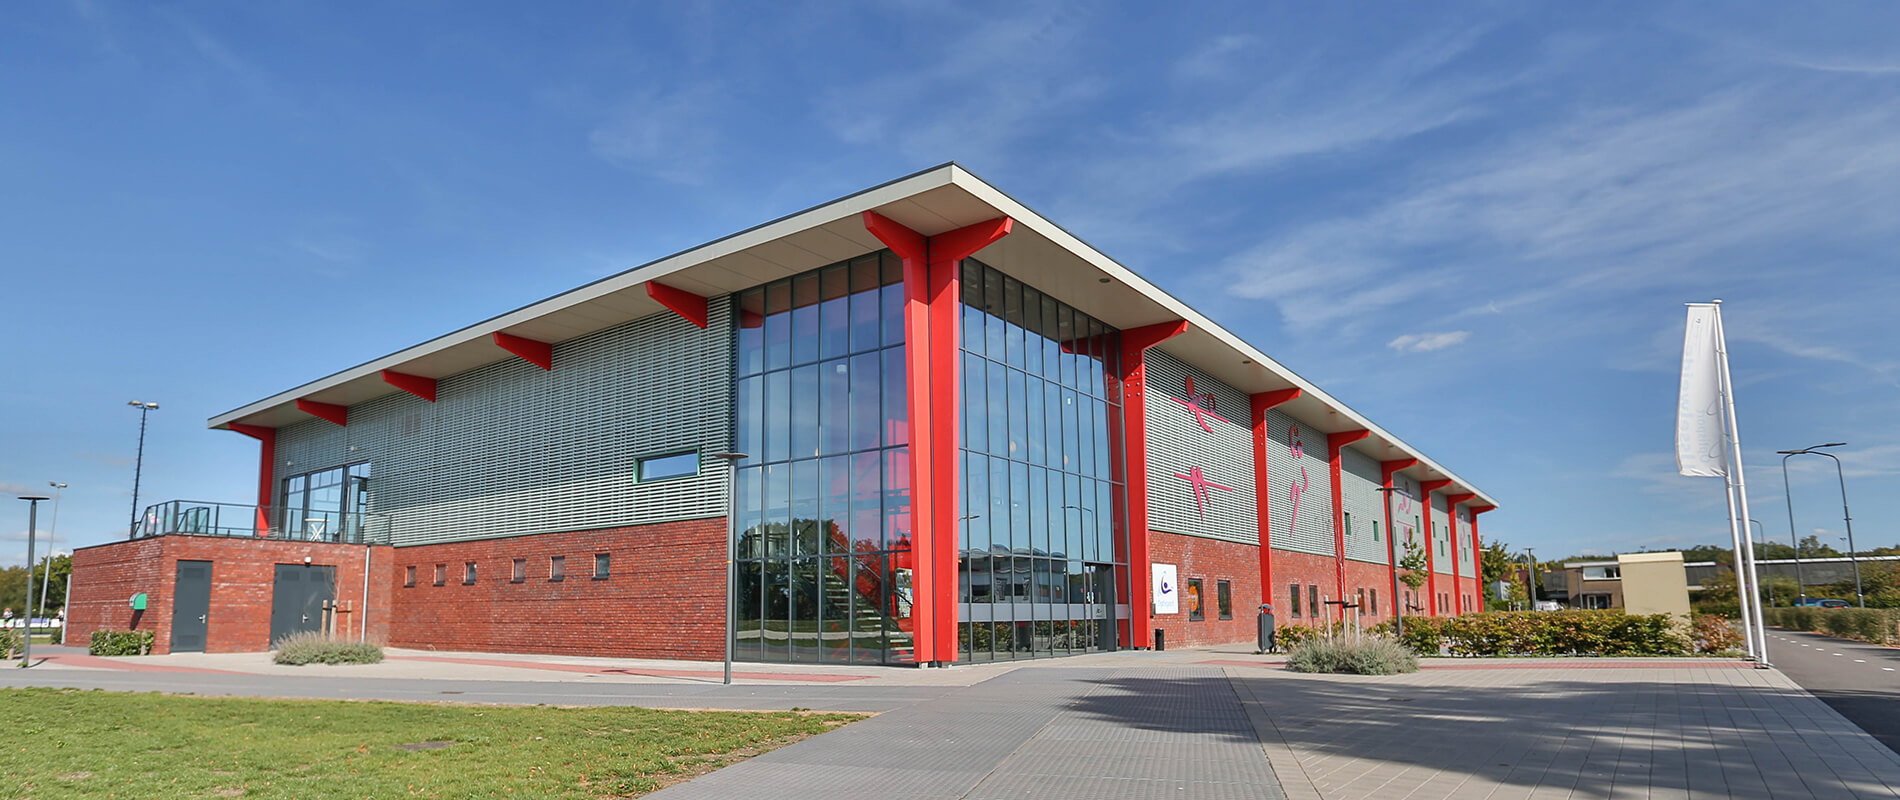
(300, 596)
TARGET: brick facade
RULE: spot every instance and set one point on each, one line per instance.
(242, 575)
(663, 596)
(1210, 560)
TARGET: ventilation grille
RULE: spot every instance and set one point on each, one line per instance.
(1312, 530)
(1177, 443)
(510, 448)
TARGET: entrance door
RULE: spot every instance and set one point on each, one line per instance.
(191, 603)
(297, 598)
(1102, 604)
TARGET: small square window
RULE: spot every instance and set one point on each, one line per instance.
(468, 574)
(441, 574)
(1312, 600)
(672, 465)
(1293, 605)
(521, 571)
(409, 576)
(1196, 606)
(1224, 599)
(557, 568)
(602, 566)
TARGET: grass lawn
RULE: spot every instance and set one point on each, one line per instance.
(71, 743)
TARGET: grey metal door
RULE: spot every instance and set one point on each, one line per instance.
(191, 604)
(1102, 604)
(298, 596)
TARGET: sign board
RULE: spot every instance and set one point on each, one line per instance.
(1167, 593)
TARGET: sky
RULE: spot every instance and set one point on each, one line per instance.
(1475, 223)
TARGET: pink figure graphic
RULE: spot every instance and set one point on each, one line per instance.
(1201, 404)
(1201, 484)
(1299, 452)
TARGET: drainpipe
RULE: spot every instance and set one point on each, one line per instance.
(362, 620)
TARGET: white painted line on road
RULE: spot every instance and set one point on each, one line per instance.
(1860, 661)
(1889, 669)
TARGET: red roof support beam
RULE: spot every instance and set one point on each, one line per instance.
(932, 269)
(1451, 511)
(413, 384)
(1425, 489)
(1133, 437)
(1386, 470)
(1336, 442)
(540, 354)
(334, 413)
(690, 306)
(1261, 403)
(266, 466)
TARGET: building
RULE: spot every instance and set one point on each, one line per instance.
(966, 435)
(1638, 583)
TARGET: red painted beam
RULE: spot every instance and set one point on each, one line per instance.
(1386, 470)
(1336, 442)
(932, 271)
(266, 469)
(1475, 544)
(1261, 403)
(1425, 489)
(1133, 373)
(334, 413)
(540, 354)
(684, 303)
(413, 384)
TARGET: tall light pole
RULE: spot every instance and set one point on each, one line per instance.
(1392, 560)
(1801, 585)
(32, 522)
(52, 535)
(1530, 578)
(732, 490)
(138, 466)
(1853, 555)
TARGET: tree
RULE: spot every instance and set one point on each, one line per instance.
(1495, 564)
(1417, 569)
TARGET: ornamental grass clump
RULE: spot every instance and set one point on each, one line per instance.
(311, 647)
(1367, 654)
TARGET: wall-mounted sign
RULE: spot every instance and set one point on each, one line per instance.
(1167, 593)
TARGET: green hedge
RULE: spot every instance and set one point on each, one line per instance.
(1877, 625)
(9, 642)
(120, 643)
(311, 647)
(1560, 633)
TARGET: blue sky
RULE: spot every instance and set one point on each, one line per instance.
(1474, 223)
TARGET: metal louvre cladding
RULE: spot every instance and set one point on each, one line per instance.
(1291, 447)
(1359, 488)
(1441, 536)
(1407, 514)
(1222, 506)
(1467, 560)
(509, 448)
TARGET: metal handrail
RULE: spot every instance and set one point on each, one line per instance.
(238, 521)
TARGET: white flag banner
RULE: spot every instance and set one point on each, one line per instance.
(1700, 450)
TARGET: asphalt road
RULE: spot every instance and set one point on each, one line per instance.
(1860, 681)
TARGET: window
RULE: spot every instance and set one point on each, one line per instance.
(521, 571)
(1362, 600)
(468, 574)
(1349, 523)
(325, 505)
(1312, 599)
(1224, 599)
(1373, 598)
(441, 574)
(409, 576)
(1196, 612)
(557, 568)
(1375, 530)
(671, 465)
(1293, 597)
(602, 563)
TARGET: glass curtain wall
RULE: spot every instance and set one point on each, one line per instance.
(822, 501)
(1038, 526)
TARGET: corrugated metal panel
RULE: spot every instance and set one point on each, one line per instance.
(509, 448)
(1441, 536)
(1177, 444)
(1296, 457)
(1467, 558)
(1408, 515)
(1359, 489)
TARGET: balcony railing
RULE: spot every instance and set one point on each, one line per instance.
(230, 520)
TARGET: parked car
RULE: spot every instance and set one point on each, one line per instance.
(1822, 602)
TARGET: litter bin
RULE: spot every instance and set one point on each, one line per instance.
(1266, 629)
(1161, 639)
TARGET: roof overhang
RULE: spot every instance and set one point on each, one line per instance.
(933, 201)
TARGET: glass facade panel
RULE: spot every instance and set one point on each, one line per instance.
(1039, 564)
(822, 504)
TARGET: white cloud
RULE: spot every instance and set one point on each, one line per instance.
(671, 134)
(1427, 342)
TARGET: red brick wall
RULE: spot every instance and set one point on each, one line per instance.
(1304, 569)
(1210, 560)
(664, 597)
(242, 576)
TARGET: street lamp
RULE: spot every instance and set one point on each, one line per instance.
(32, 522)
(52, 535)
(138, 467)
(732, 488)
(1852, 555)
(1392, 560)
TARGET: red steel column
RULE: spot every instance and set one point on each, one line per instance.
(1476, 509)
(931, 267)
(266, 469)
(1451, 511)
(1425, 489)
(1133, 373)
(1261, 403)
(1386, 469)
(1334, 443)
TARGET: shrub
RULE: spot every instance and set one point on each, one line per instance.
(9, 642)
(1293, 636)
(1713, 634)
(1554, 633)
(1425, 635)
(1369, 654)
(311, 647)
(120, 643)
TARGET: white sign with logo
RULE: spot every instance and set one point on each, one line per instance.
(1167, 593)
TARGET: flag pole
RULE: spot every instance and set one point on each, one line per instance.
(1745, 553)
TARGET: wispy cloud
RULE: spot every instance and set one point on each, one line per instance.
(672, 134)
(1427, 342)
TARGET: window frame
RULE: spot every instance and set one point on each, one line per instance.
(1293, 609)
(640, 466)
(468, 573)
(1224, 599)
(409, 576)
(442, 574)
(603, 566)
(520, 571)
(557, 569)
